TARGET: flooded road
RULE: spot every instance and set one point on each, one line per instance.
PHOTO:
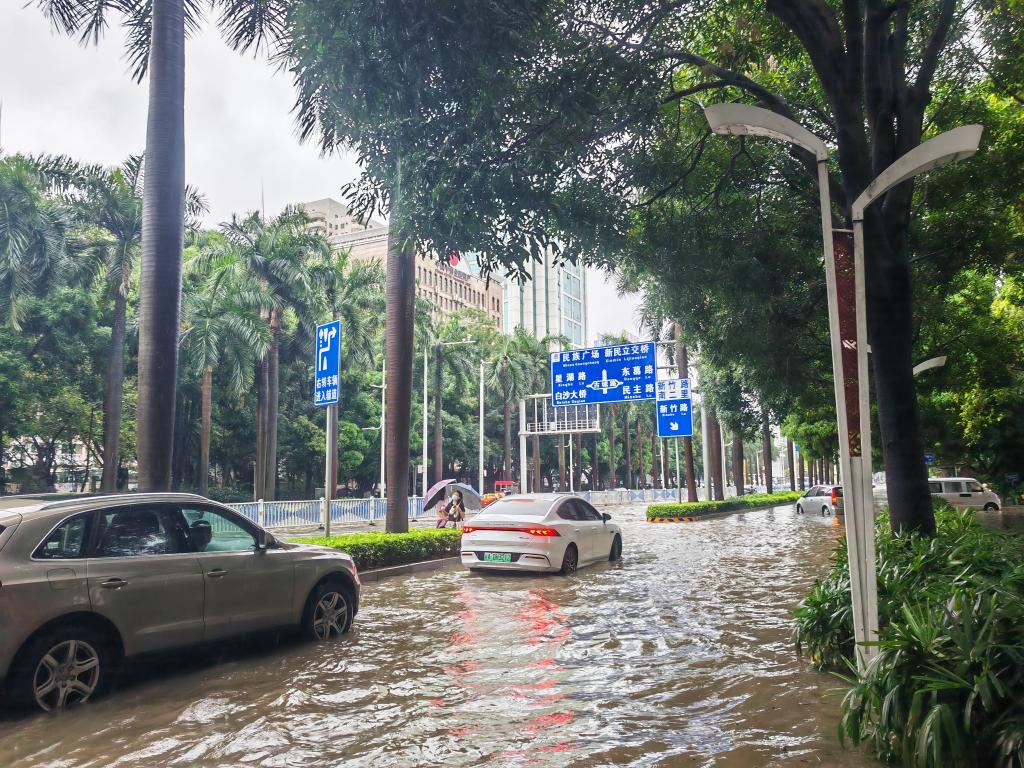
(680, 655)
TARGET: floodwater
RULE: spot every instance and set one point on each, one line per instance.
(680, 655)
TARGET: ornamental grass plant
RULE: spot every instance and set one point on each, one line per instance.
(947, 686)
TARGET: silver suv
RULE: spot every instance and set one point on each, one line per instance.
(90, 580)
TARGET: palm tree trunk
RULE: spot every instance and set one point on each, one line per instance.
(800, 463)
(715, 446)
(508, 441)
(766, 446)
(577, 456)
(629, 454)
(114, 395)
(537, 484)
(737, 462)
(400, 298)
(273, 387)
(204, 435)
(561, 463)
(789, 464)
(655, 464)
(438, 447)
(163, 204)
(612, 473)
(260, 470)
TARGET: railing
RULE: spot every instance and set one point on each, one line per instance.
(311, 513)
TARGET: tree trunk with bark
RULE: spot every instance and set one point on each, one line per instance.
(655, 463)
(163, 229)
(114, 395)
(612, 469)
(737, 462)
(766, 448)
(400, 294)
(538, 486)
(789, 464)
(629, 453)
(561, 463)
(205, 429)
(508, 442)
(715, 449)
(273, 388)
(803, 486)
(577, 455)
(683, 362)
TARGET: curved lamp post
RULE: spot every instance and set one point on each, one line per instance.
(848, 328)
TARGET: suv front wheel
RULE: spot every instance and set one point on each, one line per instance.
(63, 667)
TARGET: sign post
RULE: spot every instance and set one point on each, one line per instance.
(326, 373)
(675, 416)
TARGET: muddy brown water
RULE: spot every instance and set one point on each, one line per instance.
(680, 655)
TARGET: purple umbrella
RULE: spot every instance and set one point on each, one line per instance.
(436, 493)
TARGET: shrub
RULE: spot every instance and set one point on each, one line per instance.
(947, 687)
(697, 508)
(380, 550)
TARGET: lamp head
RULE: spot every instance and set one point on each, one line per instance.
(748, 120)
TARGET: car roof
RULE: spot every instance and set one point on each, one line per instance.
(42, 502)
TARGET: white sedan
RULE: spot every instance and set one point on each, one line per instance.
(542, 533)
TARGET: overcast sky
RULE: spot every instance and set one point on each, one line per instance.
(240, 138)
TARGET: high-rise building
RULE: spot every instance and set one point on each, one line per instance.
(553, 302)
(448, 287)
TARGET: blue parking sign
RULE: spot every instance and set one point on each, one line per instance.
(617, 374)
(327, 364)
(674, 408)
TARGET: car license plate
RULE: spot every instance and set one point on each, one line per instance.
(497, 557)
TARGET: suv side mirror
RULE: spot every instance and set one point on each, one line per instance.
(606, 516)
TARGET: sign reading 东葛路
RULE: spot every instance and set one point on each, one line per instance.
(674, 408)
(327, 364)
(615, 374)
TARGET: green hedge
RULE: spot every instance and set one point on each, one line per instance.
(380, 550)
(947, 687)
(698, 508)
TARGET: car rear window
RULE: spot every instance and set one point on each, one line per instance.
(511, 507)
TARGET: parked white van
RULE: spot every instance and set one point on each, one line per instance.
(964, 492)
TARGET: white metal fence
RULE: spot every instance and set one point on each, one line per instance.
(310, 513)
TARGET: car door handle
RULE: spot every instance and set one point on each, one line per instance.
(966, 495)
(217, 573)
(113, 583)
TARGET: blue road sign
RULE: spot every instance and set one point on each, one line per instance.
(675, 409)
(616, 374)
(327, 364)
(929, 458)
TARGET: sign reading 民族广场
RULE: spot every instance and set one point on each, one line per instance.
(615, 374)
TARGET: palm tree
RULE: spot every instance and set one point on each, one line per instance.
(33, 235)
(156, 46)
(108, 202)
(512, 373)
(272, 264)
(219, 331)
(452, 363)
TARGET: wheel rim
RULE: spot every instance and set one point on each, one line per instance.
(330, 618)
(570, 561)
(68, 674)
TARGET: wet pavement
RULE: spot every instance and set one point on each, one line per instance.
(680, 655)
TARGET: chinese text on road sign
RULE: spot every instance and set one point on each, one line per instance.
(675, 410)
(604, 374)
(327, 364)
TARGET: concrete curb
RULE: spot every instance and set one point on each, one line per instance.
(424, 566)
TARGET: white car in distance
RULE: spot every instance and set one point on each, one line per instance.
(540, 533)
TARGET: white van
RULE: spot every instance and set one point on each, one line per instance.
(964, 492)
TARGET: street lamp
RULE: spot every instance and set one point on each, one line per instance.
(426, 374)
(748, 120)
(927, 365)
(849, 330)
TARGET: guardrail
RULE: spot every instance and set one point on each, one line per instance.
(303, 514)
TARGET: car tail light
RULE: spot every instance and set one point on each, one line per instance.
(835, 497)
(533, 530)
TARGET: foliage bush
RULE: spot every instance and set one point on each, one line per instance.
(380, 550)
(697, 508)
(947, 687)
